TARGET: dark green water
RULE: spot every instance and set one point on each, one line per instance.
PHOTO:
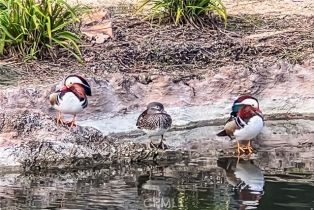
(222, 184)
(283, 195)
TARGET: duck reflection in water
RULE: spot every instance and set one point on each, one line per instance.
(247, 180)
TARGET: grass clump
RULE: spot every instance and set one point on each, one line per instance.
(194, 12)
(38, 28)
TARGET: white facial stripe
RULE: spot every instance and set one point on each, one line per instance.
(250, 102)
(72, 80)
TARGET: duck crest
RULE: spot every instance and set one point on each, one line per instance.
(242, 98)
(81, 78)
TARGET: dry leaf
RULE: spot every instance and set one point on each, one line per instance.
(97, 26)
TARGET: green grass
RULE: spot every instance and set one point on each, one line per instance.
(38, 28)
(194, 12)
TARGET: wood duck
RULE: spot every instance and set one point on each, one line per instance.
(155, 121)
(245, 123)
(71, 98)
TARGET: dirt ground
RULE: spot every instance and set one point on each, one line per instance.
(258, 35)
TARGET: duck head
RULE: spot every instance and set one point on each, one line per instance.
(248, 111)
(155, 107)
(73, 80)
(243, 101)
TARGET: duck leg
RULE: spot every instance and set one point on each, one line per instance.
(162, 145)
(59, 119)
(249, 147)
(239, 148)
(73, 122)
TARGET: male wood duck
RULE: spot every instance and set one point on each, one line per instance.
(155, 121)
(245, 123)
(247, 180)
(71, 98)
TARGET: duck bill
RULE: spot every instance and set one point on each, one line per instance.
(63, 88)
(259, 111)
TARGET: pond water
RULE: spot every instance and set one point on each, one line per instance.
(203, 183)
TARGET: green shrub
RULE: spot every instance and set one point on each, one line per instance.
(184, 11)
(34, 28)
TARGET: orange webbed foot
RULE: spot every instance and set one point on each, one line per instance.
(59, 119)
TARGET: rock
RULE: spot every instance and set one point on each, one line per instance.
(32, 140)
(107, 126)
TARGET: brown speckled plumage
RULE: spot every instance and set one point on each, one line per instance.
(155, 122)
(154, 119)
